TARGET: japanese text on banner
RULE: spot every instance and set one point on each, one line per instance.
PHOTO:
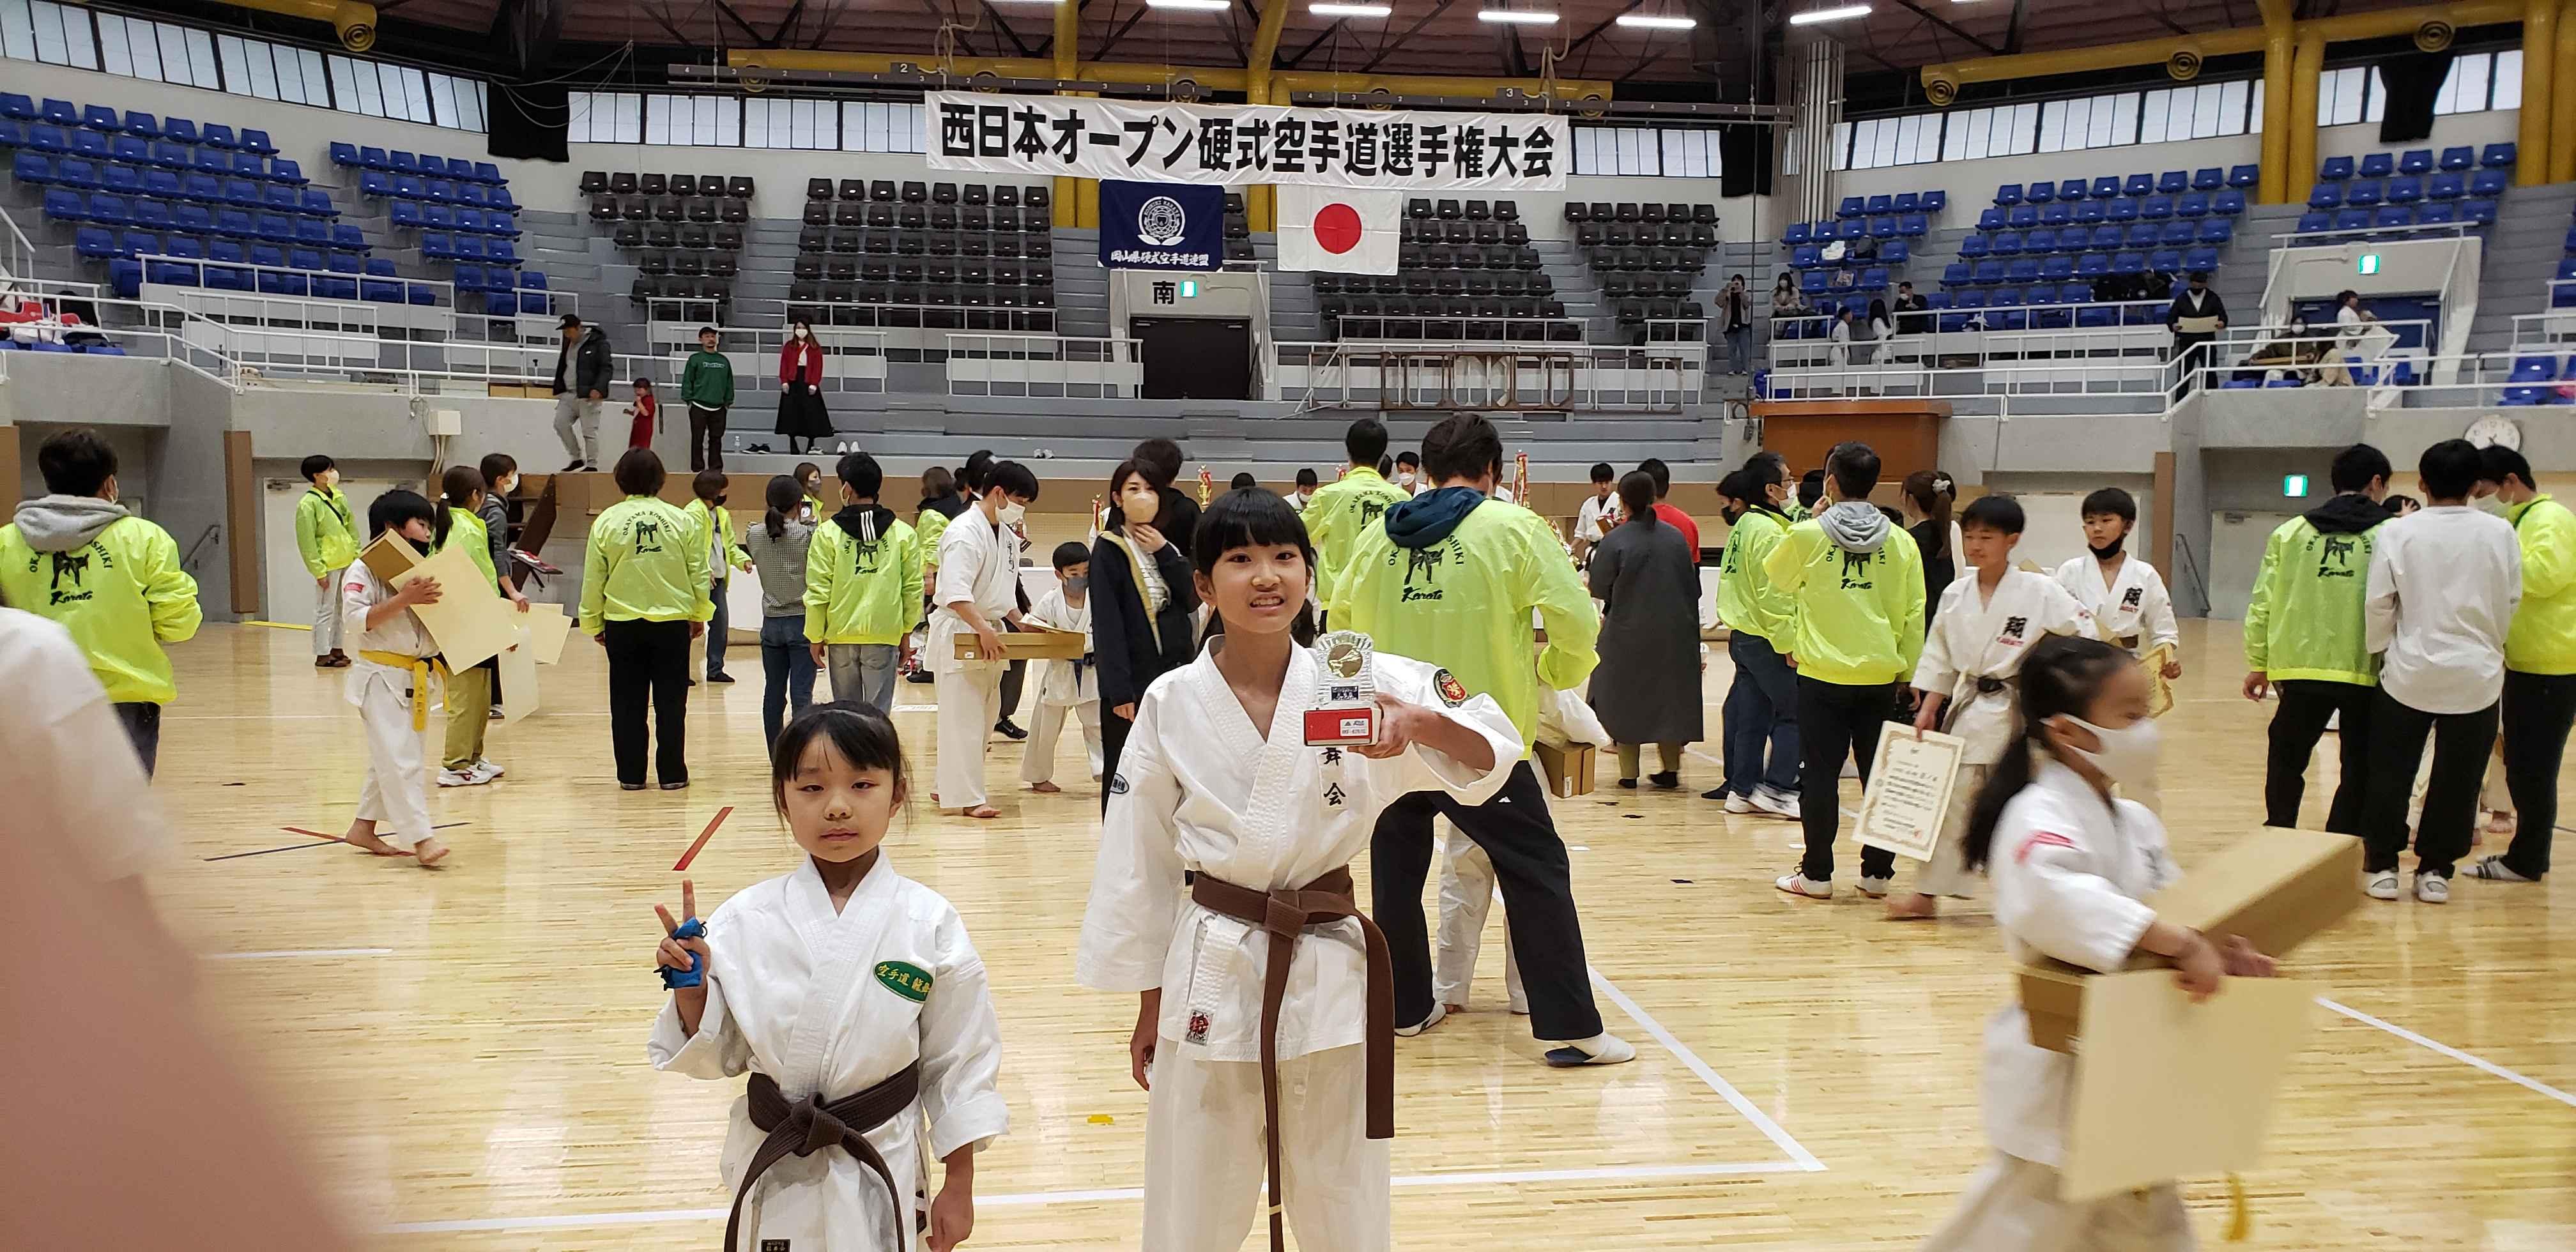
(1408, 150)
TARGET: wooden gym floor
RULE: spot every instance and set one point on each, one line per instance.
(465, 1050)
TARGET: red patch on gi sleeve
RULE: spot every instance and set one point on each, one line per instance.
(2044, 838)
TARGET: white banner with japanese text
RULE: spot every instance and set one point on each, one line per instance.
(1390, 150)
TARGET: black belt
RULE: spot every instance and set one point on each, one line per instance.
(1989, 686)
(809, 1126)
(2130, 642)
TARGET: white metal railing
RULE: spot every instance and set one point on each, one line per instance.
(2417, 231)
(438, 288)
(2548, 330)
(17, 256)
(1044, 365)
(1483, 373)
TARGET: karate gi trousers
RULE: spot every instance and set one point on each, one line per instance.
(1947, 873)
(970, 701)
(1037, 759)
(2012, 1206)
(1204, 1168)
(395, 793)
(1466, 896)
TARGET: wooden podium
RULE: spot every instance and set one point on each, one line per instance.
(1906, 433)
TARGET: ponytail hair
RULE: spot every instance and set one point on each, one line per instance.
(783, 497)
(2061, 676)
(1933, 492)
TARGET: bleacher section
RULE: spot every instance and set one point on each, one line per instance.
(686, 231)
(937, 256)
(2401, 193)
(1464, 270)
(1648, 258)
(456, 211)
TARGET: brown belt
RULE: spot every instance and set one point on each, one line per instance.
(2130, 642)
(1286, 915)
(809, 1126)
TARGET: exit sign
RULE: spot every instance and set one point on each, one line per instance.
(2294, 486)
(1190, 286)
(2369, 263)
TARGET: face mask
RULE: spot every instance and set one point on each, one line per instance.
(1731, 515)
(1010, 513)
(330, 479)
(2112, 550)
(508, 485)
(720, 499)
(2493, 506)
(1140, 508)
(1078, 583)
(800, 332)
(2128, 755)
(1404, 478)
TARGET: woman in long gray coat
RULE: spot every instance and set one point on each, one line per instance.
(1647, 688)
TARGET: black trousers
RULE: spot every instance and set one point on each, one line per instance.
(1834, 722)
(2461, 742)
(142, 721)
(1012, 680)
(2306, 705)
(648, 664)
(2541, 708)
(706, 438)
(2183, 346)
(1513, 828)
(1113, 742)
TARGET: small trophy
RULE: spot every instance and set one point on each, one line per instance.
(1345, 712)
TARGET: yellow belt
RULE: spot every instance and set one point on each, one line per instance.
(421, 668)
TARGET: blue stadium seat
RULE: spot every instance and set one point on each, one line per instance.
(2091, 212)
(2353, 219)
(150, 214)
(2209, 179)
(2072, 190)
(1992, 219)
(193, 219)
(89, 145)
(2362, 193)
(2241, 177)
(408, 187)
(1906, 201)
(60, 113)
(130, 149)
(1975, 247)
(1910, 225)
(2335, 169)
(75, 172)
(1894, 251)
(2058, 214)
(532, 280)
(2217, 231)
(170, 156)
(1812, 282)
(277, 281)
(2039, 242)
(2022, 216)
(2416, 161)
(2405, 189)
(217, 135)
(249, 165)
(371, 157)
(235, 224)
(107, 210)
(2315, 221)
(1957, 274)
(2128, 262)
(2124, 209)
(2488, 183)
(2447, 185)
(48, 140)
(437, 247)
(2173, 182)
(12, 134)
(343, 153)
(1934, 200)
(2437, 213)
(2008, 195)
(2562, 291)
(124, 180)
(2142, 235)
(2105, 238)
(2057, 269)
(2478, 212)
(488, 173)
(2459, 159)
(2395, 216)
(380, 292)
(2156, 208)
(2228, 203)
(2004, 243)
(17, 107)
(204, 189)
(2022, 270)
(1880, 205)
(437, 217)
(1795, 235)
(2496, 156)
(2040, 191)
(2192, 204)
(241, 193)
(95, 242)
(286, 170)
(277, 199)
(2105, 187)
(257, 141)
(2167, 259)
(179, 130)
(2378, 165)
(1805, 256)
(209, 161)
(315, 202)
(475, 194)
(2138, 185)
(219, 278)
(1990, 271)
(500, 302)
(1852, 206)
(503, 252)
(2200, 259)
(1882, 228)
(501, 200)
(312, 232)
(468, 278)
(348, 238)
(375, 183)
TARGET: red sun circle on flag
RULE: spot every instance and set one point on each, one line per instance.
(1337, 228)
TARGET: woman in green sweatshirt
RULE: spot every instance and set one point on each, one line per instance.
(326, 536)
(644, 585)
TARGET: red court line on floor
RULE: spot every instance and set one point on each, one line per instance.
(703, 836)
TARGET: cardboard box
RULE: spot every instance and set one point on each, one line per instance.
(1569, 769)
(2275, 888)
(1026, 645)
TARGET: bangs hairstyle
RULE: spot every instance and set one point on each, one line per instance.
(2113, 501)
(1253, 518)
(398, 506)
(861, 734)
(1996, 512)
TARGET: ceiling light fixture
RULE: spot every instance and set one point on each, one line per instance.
(1517, 17)
(1811, 17)
(1351, 10)
(1651, 22)
(1209, 5)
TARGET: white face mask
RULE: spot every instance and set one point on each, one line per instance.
(1404, 478)
(509, 484)
(2491, 505)
(800, 332)
(2128, 755)
(1011, 512)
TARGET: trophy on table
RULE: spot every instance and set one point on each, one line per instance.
(1345, 712)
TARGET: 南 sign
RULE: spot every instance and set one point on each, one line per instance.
(1397, 150)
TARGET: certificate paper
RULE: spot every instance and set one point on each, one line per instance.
(1908, 797)
(2160, 696)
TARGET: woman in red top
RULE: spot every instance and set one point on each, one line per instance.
(646, 411)
(800, 398)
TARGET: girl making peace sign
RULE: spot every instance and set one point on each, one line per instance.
(855, 1001)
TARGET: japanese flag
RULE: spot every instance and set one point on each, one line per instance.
(1330, 228)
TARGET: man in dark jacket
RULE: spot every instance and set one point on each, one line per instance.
(2196, 318)
(580, 383)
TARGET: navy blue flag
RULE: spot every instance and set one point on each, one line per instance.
(1161, 226)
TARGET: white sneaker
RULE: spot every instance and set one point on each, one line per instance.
(2433, 888)
(460, 778)
(1738, 804)
(485, 771)
(1800, 885)
(1600, 1049)
(2493, 869)
(1438, 1011)
(1876, 887)
(2380, 886)
(1784, 807)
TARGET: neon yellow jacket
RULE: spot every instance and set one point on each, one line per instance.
(325, 533)
(734, 557)
(1857, 620)
(121, 595)
(2305, 619)
(645, 561)
(463, 527)
(1746, 600)
(1464, 602)
(863, 593)
(1335, 518)
(2542, 638)
(927, 529)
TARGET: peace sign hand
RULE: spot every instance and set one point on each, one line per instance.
(683, 954)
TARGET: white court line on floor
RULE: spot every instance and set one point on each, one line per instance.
(295, 953)
(2475, 1062)
(1726, 1090)
(1109, 1195)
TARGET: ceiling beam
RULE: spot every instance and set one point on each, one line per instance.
(1410, 32)
(932, 7)
(795, 12)
(1927, 15)
(1000, 25)
(2012, 31)
(1121, 32)
(1319, 41)
(738, 19)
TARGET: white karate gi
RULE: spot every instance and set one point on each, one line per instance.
(1200, 788)
(2070, 872)
(395, 794)
(2137, 608)
(1974, 637)
(1060, 692)
(977, 563)
(1466, 896)
(794, 991)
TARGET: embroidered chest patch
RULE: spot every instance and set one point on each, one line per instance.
(910, 981)
(1198, 1031)
(1452, 692)
(2131, 600)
